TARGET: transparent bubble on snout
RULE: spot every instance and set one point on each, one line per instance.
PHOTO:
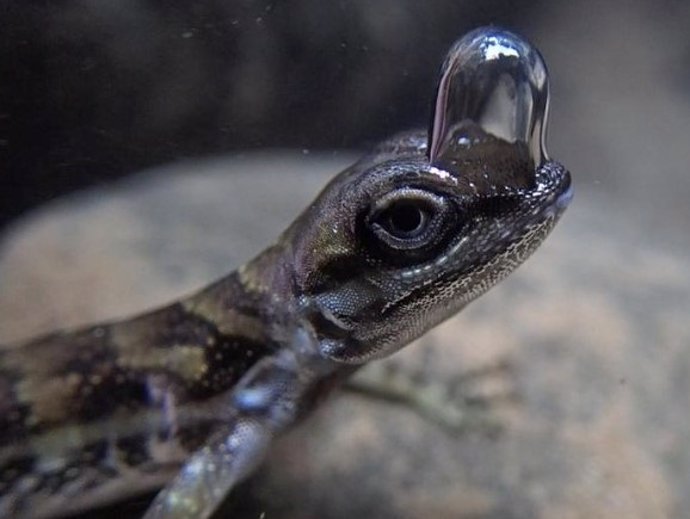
(493, 82)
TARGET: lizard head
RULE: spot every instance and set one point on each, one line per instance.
(412, 233)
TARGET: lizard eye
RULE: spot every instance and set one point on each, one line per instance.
(409, 219)
(405, 219)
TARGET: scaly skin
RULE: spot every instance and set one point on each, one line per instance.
(392, 246)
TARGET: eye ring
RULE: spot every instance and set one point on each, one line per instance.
(409, 220)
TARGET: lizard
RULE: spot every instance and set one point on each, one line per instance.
(188, 397)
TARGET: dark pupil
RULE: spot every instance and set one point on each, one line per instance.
(405, 218)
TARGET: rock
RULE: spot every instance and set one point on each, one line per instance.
(594, 326)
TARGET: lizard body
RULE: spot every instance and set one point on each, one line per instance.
(189, 396)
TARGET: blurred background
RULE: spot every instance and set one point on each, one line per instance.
(91, 90)
(595, 326)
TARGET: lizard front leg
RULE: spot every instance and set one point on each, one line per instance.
(205, 480)
(267, 400)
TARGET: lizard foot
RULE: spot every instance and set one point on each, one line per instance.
(462, 403)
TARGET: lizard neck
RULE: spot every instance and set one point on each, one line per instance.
(257, 300)
(261, 304)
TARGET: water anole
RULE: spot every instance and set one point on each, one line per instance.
(188, 397)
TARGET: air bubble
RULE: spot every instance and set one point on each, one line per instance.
(492, 82)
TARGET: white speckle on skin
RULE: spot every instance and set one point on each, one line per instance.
(233, 442)
(442, 174)
(194, 468)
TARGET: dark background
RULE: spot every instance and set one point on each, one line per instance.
(93, 90)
